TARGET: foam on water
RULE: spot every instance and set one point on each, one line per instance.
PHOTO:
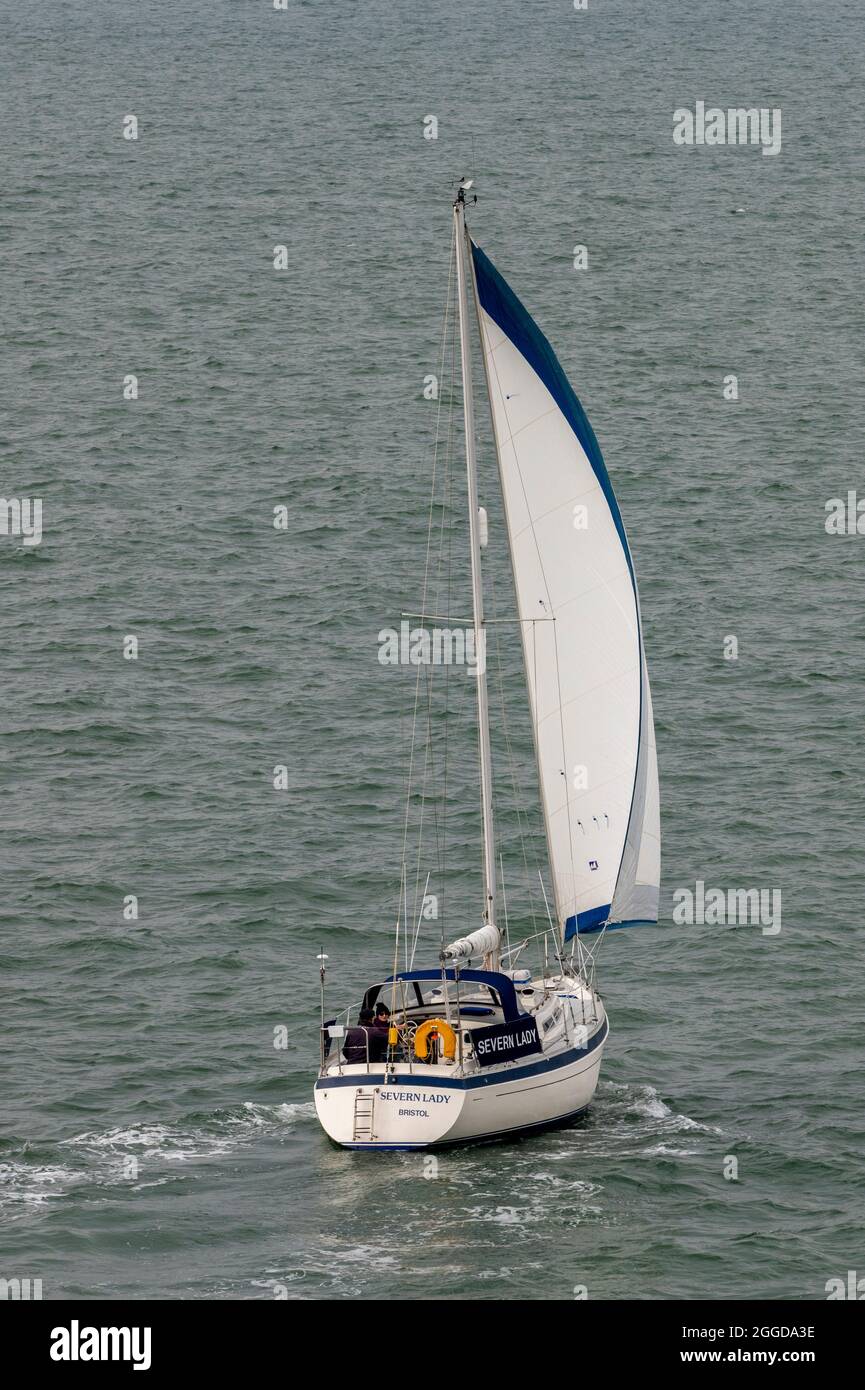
(101, 1156)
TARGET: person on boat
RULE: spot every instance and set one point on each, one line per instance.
(379, 1033)
(357, 1046)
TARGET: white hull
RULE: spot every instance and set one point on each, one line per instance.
(425, 1107)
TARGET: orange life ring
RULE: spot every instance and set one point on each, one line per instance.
(445, 1032)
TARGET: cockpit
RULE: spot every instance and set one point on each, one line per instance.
(434, 1017)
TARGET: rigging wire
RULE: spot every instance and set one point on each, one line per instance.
(410, 776)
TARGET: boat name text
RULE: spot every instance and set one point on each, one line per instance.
(416, 1097)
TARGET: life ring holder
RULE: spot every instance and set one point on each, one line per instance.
(445, 1032)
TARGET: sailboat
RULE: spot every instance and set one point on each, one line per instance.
(473, 1046)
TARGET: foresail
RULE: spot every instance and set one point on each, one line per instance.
(636, 896)
(582, 638)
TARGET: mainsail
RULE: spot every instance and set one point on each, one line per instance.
(580, 619)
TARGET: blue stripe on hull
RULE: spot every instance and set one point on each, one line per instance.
(470, 1083)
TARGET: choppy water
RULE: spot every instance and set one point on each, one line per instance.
(156, 1143)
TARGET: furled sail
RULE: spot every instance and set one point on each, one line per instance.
(582, 637)
(482, 942)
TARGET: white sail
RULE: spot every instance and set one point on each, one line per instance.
(582, 638)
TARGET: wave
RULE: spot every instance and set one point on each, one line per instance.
(137, 1156)
(616, 1100)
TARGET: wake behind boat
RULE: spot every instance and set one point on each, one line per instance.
(477, 1047)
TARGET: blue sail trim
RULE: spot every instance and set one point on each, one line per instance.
(574, 927)
(499, 301)
(590, 920)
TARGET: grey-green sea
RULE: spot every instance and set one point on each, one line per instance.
(190, 817)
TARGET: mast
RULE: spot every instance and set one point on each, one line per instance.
(525, 627)
(477, 580)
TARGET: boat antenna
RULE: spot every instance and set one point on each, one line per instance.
(462, 189)
(322, 968)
